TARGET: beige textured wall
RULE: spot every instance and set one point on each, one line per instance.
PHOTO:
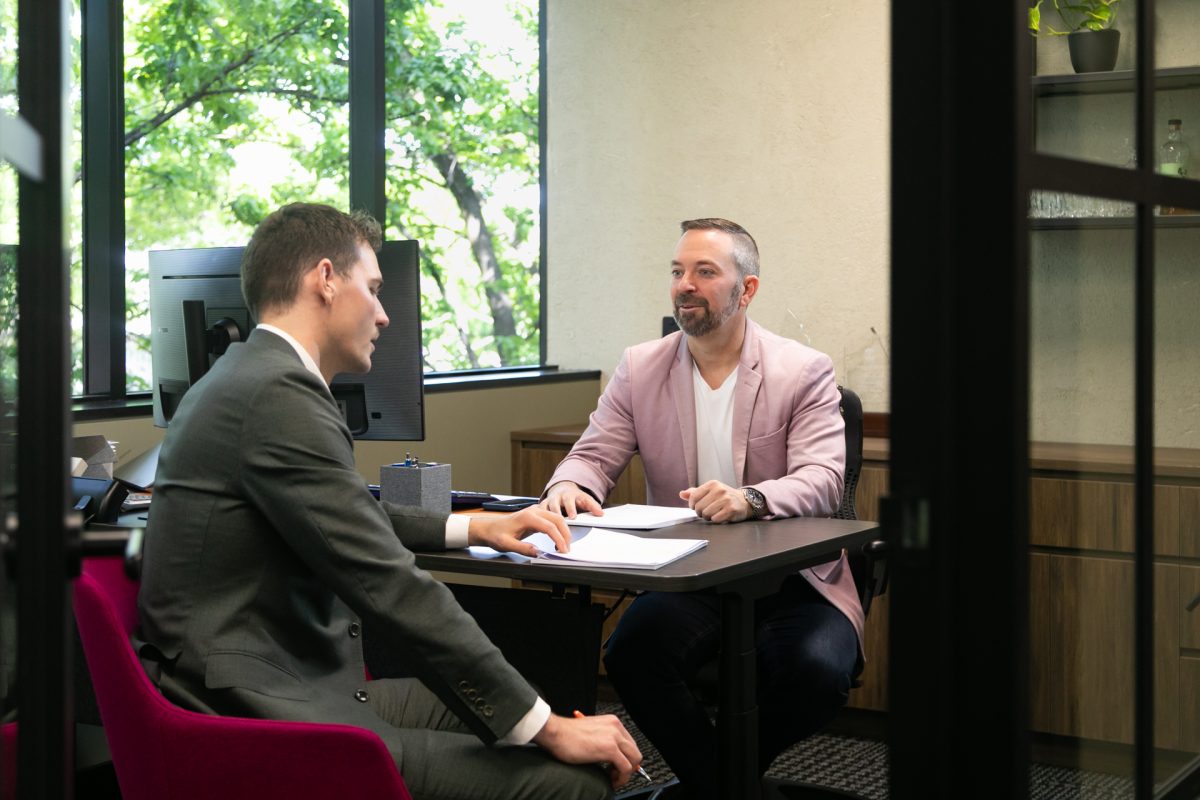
(774, 113)
(468, 429)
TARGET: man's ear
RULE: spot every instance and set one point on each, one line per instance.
(750, 288)
(323, 274)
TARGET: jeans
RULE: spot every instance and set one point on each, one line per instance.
(807, 654)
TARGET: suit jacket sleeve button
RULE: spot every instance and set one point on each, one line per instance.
(355, 630)
(463, 685)
(361, 696)
(487, 711)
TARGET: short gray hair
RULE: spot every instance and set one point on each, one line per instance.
(745, 250)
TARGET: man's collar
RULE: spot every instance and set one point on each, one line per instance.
(305, 357)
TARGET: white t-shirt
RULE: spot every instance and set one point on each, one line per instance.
(714, 429)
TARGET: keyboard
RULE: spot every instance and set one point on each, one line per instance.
(459, 500)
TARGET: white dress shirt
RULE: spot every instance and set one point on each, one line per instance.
(714, 429)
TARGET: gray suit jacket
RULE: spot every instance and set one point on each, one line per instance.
(266, 558)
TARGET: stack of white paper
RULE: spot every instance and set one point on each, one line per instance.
(599, 547)
(636, 517)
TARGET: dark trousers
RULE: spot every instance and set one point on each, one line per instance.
(807, 653)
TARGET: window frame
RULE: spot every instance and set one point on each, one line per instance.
(103, 242)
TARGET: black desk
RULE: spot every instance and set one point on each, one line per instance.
(741, 563)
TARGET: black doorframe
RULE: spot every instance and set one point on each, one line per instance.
(44, 542)
(963, 164)
(958, 672)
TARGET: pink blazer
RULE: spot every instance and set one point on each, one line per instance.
(788, 436)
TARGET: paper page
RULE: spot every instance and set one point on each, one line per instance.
(599, 547)
(637, 517)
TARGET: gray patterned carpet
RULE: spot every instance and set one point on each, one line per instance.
(860, 766)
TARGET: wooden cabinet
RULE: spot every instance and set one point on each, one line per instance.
(536, 453)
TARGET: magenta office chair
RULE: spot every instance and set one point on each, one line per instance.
(164, 752)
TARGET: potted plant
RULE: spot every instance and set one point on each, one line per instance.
(1091, 37)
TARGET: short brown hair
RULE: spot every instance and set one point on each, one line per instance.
(291, 240)
(745, 250)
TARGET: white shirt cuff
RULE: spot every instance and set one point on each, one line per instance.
(456, 531)
(529, 725)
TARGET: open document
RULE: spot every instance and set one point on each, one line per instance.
(598, 547)
(636, 517)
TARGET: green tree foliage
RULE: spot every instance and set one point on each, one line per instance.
(204, 77)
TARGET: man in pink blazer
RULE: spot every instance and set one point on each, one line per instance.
(737, 423)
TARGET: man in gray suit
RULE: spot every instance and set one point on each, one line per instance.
(267, 559)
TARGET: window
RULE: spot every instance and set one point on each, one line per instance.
(232, 109)
(462, 141)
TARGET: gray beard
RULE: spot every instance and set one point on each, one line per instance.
(708, 322)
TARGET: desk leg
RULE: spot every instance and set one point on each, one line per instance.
(737, 716)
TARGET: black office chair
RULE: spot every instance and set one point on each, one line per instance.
(869, 564)
(870, 569)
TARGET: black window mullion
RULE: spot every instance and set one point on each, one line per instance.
(103, 199)
(368, 167)
(1143, 438)
(44, 542)
(543, 286)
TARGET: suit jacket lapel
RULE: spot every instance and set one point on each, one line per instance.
(685, 406)
(744, 396)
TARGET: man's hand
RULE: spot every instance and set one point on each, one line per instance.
(716, 502)
(592, 740)
(504, 533)
(566, 498)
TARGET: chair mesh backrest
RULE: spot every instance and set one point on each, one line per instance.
(852, 414)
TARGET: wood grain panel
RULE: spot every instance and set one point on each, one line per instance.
(1189, 701)
(1045, 681)
(1189, 621)
(1166, 520)
(872, 486)
(1092, 515)
(1167, 707)
(1189, 521)
(1082, 648)
(535, 459)
(532, 466)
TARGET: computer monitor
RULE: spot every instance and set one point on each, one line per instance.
(197, 311)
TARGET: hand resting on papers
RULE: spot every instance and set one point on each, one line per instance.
(566, 498)
(505, 533)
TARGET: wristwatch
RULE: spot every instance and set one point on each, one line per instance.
(758, 503)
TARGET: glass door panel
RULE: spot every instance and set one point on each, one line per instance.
(1083, 85)
(8, 394)
(1177, 495)
(1177, 83)
(1081, 567)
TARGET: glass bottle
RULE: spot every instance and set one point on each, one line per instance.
(1174, 153)
(1173, 157)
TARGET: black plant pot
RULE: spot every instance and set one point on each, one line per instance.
(1094, 51)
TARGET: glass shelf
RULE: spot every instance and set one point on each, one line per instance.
(1112, 82)
(1110, 223)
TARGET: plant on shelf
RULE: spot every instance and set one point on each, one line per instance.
(1091, 37)
(1078, 16)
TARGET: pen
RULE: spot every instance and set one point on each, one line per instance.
(580, 715)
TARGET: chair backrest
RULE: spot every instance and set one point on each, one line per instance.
(852, 414)
(868, 564)
(164, 752)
